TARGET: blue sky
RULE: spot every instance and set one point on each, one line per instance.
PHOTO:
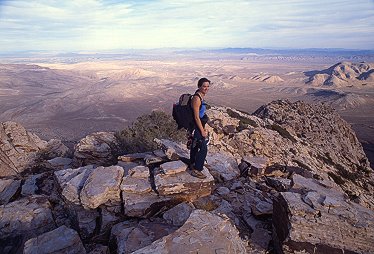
(108, 25)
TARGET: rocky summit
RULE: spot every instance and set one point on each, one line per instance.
(289, 178)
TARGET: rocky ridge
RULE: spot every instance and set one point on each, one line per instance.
(342, 74)
(289, 178)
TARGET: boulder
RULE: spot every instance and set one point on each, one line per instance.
(222, 167)
(310, 218)
(130, 236)
(71, 182)
(55, 148)
(62, 240)
(203, 232)
(19, 149)
(8, 189)
(27, 217)
(99, 148)
(102, 186)
(178, 215)
(257, 165)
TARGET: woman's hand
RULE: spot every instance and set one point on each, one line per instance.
(204, 133)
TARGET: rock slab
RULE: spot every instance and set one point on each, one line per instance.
(62, 240)
(203, 232)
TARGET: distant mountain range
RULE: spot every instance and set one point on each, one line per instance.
(161, 51)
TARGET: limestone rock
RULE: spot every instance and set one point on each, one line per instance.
(257, 165)
(61, 240)
(59, 163)
(71, 182)
(173, 150)
(64, 176)
(178, 215)
(19, 149)
(222, 167)
(8, 188)
(184, 184)
(99, 148)
(139, 172)
(26, 216)
(312, 216)
(203, 232)
(130, 236)
(147, 204)
(173, 167)
(127, 166)
(135, 185)
(139, 200)
(55, 148)
(102, 186)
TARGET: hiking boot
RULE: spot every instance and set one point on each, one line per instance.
(198, 174)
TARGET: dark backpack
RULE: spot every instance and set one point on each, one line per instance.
(183, 113)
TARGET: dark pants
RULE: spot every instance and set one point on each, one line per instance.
(199, 150)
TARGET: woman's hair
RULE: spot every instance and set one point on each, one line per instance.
(201, 82)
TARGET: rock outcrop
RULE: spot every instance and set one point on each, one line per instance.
(289, 178)
(316, 218)
(285, 134)
(100, 148)
(21, 150)
(23, 219)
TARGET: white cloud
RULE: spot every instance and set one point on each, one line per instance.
(91, 24)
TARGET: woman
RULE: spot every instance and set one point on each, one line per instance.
(199, 148)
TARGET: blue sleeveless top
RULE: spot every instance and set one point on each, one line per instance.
(202, 109)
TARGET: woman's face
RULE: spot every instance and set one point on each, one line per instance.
(204, 88)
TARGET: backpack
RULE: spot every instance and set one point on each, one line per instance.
(183, 113)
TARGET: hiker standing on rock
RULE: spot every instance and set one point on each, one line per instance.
(199, 147)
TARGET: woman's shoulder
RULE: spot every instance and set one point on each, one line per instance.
(197, 95)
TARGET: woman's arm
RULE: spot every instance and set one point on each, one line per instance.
(196, 103)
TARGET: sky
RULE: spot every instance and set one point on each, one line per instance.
(100, 25)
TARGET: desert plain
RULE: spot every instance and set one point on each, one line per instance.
(69, 96)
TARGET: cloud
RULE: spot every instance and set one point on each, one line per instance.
(100, 25)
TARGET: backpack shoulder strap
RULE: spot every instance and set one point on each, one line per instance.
(201, 99)
(196, 93)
